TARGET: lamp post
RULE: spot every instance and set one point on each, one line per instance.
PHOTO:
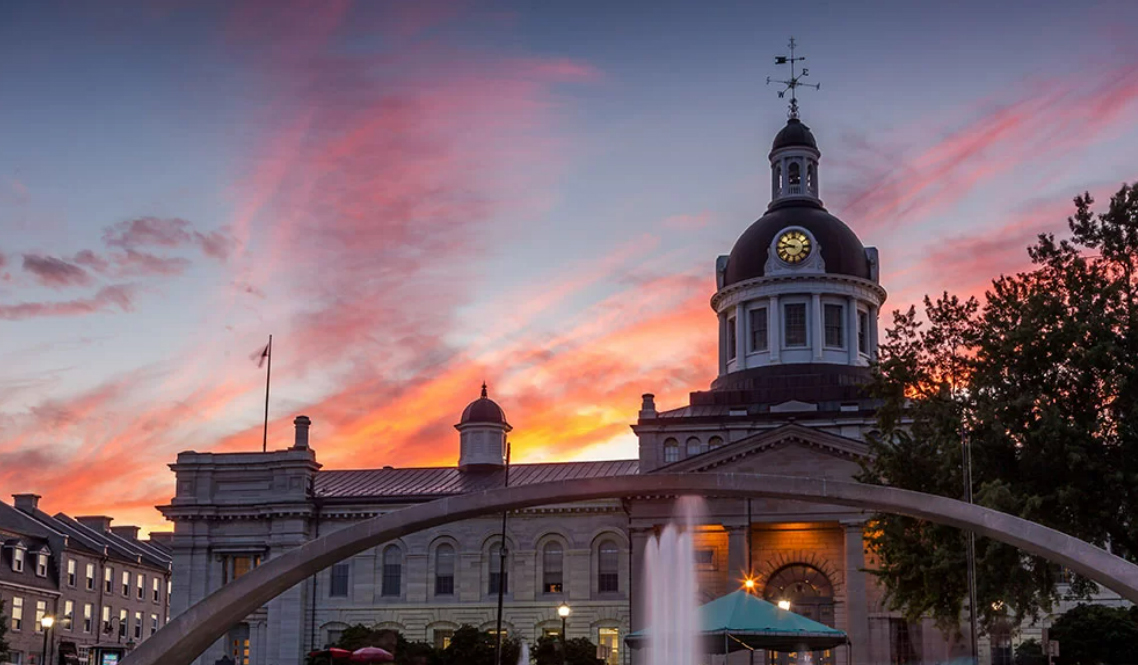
(47, 621)
(563, 612)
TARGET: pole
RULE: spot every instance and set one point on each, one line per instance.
(564, 656)
(268, 374)
(43, 654)
(750, 574)
(972, 608)
(501, 572)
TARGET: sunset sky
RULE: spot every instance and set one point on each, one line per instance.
(414, 197)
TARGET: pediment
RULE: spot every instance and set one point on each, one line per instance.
(806, 440)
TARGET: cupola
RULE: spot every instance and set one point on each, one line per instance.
(482, 435)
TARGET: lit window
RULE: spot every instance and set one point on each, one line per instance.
(794, 318)
(732, 338)
(443, 637)
(694, 446)
(108, 576)
(88, 617)
(125, 583)
(551, 574)
(862, 330)
(705, 559)
(17, 613)
(41, 565)
(833, 315)
(499, 575)
(41, 610)
(68, 614)
(444, 570)
(71, 572)
(18, 559)
(608, 641)
(140, 586)
(759, 329)
(671, 451)
(138, 625)
(608, 567)
(157, 593)
(107, 619)
(123, 622)
(338, 579)
(392, 571)
(153, 623)
(90, 577)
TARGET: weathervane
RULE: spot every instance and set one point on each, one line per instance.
(795, 79)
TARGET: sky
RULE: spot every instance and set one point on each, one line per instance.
(416, 197)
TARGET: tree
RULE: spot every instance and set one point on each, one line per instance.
(1042, 382)
(470, 646)
(1096, 635)
(3, 632)
(1030, 652)
(578, 651)
(405, 652)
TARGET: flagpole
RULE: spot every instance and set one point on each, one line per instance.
(268, 375)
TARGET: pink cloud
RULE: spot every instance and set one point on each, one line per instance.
(55, 273)
(113, 297)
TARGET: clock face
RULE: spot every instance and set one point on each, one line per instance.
(793, 246)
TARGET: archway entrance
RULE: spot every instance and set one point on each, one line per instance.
(191, 632)
(810, 594)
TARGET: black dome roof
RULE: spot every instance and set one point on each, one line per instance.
(841, 250)
(794, 134)
(483, 410)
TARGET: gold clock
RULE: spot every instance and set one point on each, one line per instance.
(793, 246)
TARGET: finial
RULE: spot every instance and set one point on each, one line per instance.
(795, 80)
(483, 389)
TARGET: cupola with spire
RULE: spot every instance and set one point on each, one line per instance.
(482, 435)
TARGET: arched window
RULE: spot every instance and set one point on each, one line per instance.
(671, 451)
(499, 575)
(392, 570)
(551, 568)
(808, 590)
(444, 570)
(608, 567)
(811, 180)
(694, 446)
(794, 174)
(715, 442)
(776, 181)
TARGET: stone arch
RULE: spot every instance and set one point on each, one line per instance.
(195, 629)
(329, 629)
(784, 559)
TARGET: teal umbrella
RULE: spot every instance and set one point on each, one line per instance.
(741, 620)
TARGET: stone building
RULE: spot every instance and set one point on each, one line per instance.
(100, 583)
(797, 301)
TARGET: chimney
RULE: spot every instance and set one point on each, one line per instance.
(128, 532)
(26, 502)
(98, 523)
(302, 424)
(648, 406)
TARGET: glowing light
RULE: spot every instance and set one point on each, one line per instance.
(47, 621)
(784, 604)
(749, 583)
(563, 611)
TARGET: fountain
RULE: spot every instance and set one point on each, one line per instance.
(670, 589)
(523, 655)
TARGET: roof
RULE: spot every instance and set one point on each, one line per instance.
(431, 482)
(794, 134)
(483, 410)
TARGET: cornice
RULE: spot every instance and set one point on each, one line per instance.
(767, 280)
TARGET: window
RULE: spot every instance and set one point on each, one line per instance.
(862, 330)
(17, 613)
(608, 568)
(550, 632)
(833, 315)
(334, 636)
(108, 576)
(126, 583)
(90, 577)
(694, 446)
(811, 182)
(732, 338)
(499, 574)
(902, 643)
(715, 442)
(608, 643)
(18, 559)
(140, 586)
(794, 319)
(444, 570)
(794, 174)
(551, 570)
(705, 558)
(443, 637)
(338, 583)
(71, 572)
(138, 625)
(392, 570)
(68, 614)
(671, 451)
(88, 616)
(122, 623)
(759, 329)
(41, 610)
(153, 623)
(157, 593)
(41, 565)
(107, 619)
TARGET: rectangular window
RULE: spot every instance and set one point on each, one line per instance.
(88, 617)
(243, 564)
(732, 338)
(138, 625)
(41, 610)
(140, 586)
(157, 593)
(794, 320)
(705, 558)
(108, 577)
(90, 577)
(153, 623)
(17, 613)
(338, 585)
(122, 623)
(18, 560)
(759, 329)
(608, 645)
(71, 572)
(862, 332)
(125, 583)
(833, 315)
(41, 565)
(68, 614)
(551, 569)
(443, 637)
(107, 619)
(497, 578)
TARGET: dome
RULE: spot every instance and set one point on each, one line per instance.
(841, 250)
(794, 134)
(483, 410)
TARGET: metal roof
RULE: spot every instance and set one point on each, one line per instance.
(429, 482)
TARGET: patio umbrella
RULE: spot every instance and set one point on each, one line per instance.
(371, 655)
(332, 653)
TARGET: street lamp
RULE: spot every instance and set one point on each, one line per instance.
(47, 621)
(563, 612)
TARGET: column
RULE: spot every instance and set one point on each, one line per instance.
(872, 316)
(741, 332)
(857, 609)
(774, 329)
(737, 537)
(722, 344)
(851, 329)
(815, 325)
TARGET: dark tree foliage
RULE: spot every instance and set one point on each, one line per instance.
(1030, 652)
(1096, 635)
(1042, 381)
(3, 632)
(405, 652)
(470, 646)
(578, 651)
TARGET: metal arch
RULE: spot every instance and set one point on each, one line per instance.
(194, 630)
